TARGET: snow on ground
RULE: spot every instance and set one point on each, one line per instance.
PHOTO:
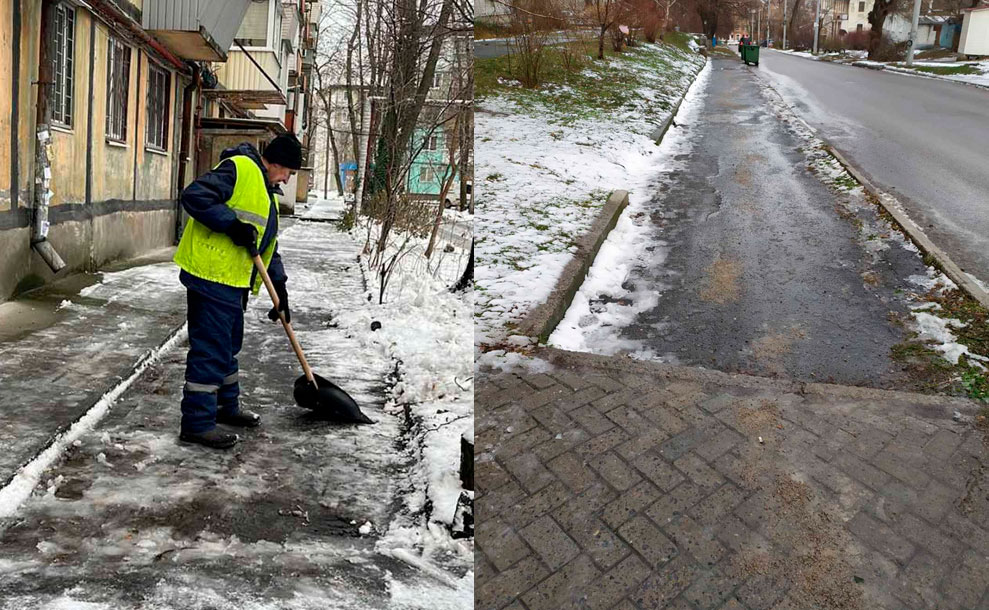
(427, 331)
(979, 77)
(603, 302)
(545, 165)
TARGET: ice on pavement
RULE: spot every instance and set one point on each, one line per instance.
(604, 303)
(296, 484)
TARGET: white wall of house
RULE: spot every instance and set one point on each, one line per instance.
(975, 32)
(898, 29)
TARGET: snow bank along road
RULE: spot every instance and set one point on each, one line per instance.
(760, 265)
(922, 140)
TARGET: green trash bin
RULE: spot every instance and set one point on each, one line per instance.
(750, 54)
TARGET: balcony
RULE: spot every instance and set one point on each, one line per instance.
(198, 30)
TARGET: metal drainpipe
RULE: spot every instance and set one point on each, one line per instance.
(42, 163)
(187, 122)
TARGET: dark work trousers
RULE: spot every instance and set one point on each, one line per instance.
(216, 333)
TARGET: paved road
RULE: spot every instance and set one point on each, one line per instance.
(923, 140)
(762, 274)
(486, 49)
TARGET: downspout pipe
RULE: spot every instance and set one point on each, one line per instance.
(186, 144)
(42, 166)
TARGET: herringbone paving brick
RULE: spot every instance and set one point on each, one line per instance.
(609, 484)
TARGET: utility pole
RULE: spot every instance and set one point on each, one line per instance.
(769, 7)
(758, 24)
(784, 24)
(912, 46)
(817, 23)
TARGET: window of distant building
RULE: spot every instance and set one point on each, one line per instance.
(159, 89)
(858, 28)
(432, 143)
(65, 38)
(437, 80)
(426, 174)
(861, 7)
(117, 89)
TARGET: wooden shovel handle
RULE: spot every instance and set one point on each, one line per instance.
(281, 314)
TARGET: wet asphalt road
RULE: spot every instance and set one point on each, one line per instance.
(923, 140)
(762, 275)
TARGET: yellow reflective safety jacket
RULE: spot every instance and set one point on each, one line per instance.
(213, 256)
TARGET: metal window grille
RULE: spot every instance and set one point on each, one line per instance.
(159, 90)
(65, 29)
(117, 88)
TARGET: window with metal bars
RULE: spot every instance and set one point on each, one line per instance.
(117, 89)
(65, 39)
(159, 83)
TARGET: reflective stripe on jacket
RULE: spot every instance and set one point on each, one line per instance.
(212, 255)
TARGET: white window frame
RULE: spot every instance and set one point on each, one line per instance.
(63, 72)
(437, 80)
(159, 96)
(117, 93)
(432, 143)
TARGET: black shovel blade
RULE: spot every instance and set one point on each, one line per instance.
(328, 401)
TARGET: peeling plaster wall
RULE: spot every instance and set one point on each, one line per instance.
(129, 209)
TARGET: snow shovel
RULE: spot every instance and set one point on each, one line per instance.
(325, 399)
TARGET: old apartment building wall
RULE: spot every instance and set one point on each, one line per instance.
(111, 199)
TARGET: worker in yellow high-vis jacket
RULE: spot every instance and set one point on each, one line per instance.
(234, 215)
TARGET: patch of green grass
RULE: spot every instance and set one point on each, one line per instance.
(575, 85)
(948, 70)
(930, 369)
(678, 39)
(976, 383)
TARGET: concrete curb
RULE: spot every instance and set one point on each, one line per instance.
(541, 321)
(916, 234)
(660, 131)
(568, 359)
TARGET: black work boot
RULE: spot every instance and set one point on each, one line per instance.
(215, 438)
(241, 419)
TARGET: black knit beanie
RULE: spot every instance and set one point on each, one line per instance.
(284, 150)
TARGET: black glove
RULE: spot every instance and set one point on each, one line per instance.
(244, 235)
(282, 293)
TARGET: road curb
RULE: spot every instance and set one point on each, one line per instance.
(660, 131)
(913, 231)
(565, 358)
(19, 487)
(542, 320)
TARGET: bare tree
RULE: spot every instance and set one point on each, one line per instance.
(877, 18)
